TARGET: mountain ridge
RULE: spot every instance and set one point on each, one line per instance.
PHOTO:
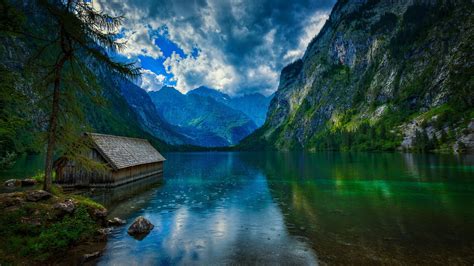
(203, 116)
(378, 76)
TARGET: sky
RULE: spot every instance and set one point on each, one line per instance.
(236, 46)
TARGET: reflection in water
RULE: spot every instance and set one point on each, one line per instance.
(296, 208)
(212, 209)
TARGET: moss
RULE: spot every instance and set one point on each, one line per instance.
(62, 234)
(87, 202)
(34, 232)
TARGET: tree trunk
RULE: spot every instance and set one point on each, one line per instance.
(53, 123)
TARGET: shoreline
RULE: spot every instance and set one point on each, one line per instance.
(53, 228)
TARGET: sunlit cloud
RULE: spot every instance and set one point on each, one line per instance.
(242, 44)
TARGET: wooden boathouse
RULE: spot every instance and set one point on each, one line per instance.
(127, 160)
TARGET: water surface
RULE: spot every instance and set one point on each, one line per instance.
(296, 208)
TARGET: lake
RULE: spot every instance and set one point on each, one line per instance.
(298, 208)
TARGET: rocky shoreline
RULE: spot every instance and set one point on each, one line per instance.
(38, 227)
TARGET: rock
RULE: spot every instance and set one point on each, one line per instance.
(104, 231)
(116, 221)
(100, 213)
(28, 182)
(12, 183)
(90, 256)
(140, 227)
(37, 195)
(11, 199)
(67, 206)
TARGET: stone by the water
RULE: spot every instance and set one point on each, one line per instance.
(37, 195)
(104, 231)
(12, 183)
(116, 221)
(100, 213)
(90, 256)
(140, 227)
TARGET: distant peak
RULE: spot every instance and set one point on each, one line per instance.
(169, 89)
(209, 92)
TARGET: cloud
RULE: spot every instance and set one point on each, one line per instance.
(315, 24)
(205, 69)
(243, 44)
(150, 81)
(140, 41)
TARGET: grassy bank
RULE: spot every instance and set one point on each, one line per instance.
(37, 228)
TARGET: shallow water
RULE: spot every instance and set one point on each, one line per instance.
(296, 208)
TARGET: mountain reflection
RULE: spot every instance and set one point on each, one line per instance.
(297, 208)
(214, 208)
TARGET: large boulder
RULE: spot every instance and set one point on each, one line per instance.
(37, 195)
(140, 228)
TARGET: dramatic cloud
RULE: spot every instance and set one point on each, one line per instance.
(150, 81)
(238, 46)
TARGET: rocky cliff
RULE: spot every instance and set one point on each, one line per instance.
(380, 75)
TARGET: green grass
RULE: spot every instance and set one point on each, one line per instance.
(40, 242)
(34, 232)
(87, 202)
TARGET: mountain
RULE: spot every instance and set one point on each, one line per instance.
(202, 116)
(148, 116)
(211, 93)
(380, 75)
(254, 105)
(128, 110)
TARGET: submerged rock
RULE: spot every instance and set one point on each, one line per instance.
(37, 195)
(140, 227)
(90, 256)
(116, 221)
(104, 231)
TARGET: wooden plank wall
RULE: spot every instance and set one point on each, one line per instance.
(75, 175)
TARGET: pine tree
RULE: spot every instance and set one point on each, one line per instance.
(80, 35)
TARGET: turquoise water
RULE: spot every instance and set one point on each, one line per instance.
(296, 208)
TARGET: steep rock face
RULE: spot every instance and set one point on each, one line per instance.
(375, 64)
(202, 119)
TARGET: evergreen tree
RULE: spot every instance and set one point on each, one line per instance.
(80, 35)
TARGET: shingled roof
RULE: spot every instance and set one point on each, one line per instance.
(123, 152)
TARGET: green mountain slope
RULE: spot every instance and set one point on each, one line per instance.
(203, 119)
(115, 116)
(380, 75)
